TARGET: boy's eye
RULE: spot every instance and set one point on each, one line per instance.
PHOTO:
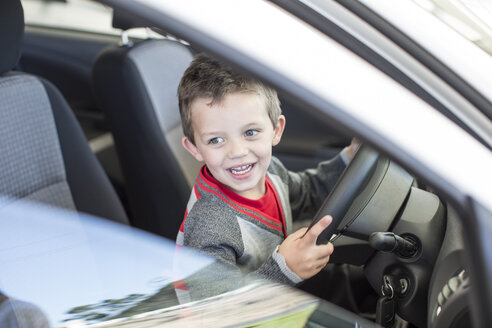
(250, 133)
(215, 140)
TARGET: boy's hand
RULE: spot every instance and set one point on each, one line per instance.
(301, 253)
(352, 148)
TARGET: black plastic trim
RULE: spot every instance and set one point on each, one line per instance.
(477, 255)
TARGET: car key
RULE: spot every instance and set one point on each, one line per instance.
(386, 305)
(385, 311)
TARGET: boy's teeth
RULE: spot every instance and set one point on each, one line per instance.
(241, 169)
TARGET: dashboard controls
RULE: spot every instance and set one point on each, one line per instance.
(389, 242)
(452, 307)
(451, 287)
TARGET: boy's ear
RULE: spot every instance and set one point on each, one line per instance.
(279, 129)
(191, 148)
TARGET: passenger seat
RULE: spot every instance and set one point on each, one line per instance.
(44, 154)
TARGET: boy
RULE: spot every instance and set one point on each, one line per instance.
(243, 202)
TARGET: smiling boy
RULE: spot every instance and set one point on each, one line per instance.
(244, 200)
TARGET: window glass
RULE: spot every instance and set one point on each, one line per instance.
(80, 15)
(470, 18)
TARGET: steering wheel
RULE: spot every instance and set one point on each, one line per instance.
(374, 194)
(348, 187)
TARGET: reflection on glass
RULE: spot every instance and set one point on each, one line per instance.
(471, 18)
(15, 313)
(79, 271)
(71, 263)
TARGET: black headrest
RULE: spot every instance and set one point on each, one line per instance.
(11, 33)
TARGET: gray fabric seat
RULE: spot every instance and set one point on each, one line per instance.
(45, 156)
(136, 86)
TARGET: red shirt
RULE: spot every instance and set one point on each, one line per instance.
(268, 205)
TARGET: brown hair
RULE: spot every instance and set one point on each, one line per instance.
(209, 78)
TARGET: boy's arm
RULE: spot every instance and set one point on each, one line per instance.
(220, 277)
(297, 258)
(218, 234)
(308, 189)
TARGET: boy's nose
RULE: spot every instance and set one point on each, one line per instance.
(237, 148)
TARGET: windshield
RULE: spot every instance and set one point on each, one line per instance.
(77, 15)
(471, 18)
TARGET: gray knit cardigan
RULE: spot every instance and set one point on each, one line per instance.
(236, 235)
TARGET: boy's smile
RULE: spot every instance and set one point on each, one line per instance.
(235, 138)
(241, 170)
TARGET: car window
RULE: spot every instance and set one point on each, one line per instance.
(72, 14)
(80, 15)
(73, 270)
(472, 19)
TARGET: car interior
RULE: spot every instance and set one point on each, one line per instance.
(135, 86)
(45, 156)
(133, 126)
(90, 122)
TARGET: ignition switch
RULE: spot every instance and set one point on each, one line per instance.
(400, 284)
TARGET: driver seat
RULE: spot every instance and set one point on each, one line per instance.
(136, 87)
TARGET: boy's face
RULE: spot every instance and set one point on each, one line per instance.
(235, 138)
